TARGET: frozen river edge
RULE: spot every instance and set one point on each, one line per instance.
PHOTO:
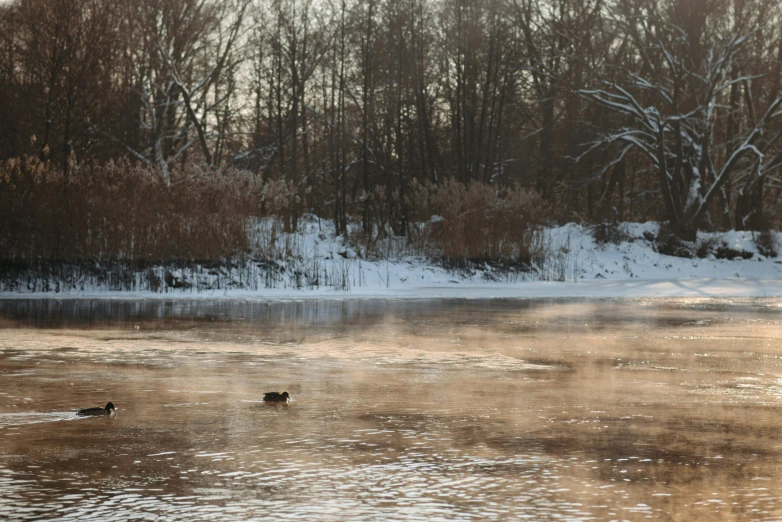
(635, 288)
(577, 267)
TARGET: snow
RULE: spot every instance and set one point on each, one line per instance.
(630, 268)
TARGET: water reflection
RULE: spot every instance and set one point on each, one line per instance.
(450, 410)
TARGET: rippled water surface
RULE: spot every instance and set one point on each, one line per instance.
(446, 409)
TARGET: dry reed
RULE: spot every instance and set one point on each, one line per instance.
(476, 222)
(120, 211)
(114, 221)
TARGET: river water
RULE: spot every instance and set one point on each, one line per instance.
(441, 409)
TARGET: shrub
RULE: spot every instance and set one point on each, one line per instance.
(766, 243)
(706, 246)
(476, 222)
(122, 211)
(612, 233)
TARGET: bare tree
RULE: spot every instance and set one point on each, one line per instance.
(676, 131)
(182, 61)
(64, 54)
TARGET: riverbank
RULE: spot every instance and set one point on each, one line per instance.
(636, 288)
(315, 264)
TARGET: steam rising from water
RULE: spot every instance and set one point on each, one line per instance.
(416, 410)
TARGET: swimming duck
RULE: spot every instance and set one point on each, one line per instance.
(98, 411)
(276, 397)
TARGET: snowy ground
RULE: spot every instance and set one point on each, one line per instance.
(318, 266)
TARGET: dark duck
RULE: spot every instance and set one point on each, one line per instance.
(276, 397)
(97, 411)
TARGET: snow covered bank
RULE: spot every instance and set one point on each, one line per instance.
(317, 265)
(636, 288)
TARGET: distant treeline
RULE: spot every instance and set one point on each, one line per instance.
(595, 110)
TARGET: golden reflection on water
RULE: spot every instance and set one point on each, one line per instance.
(446, 409)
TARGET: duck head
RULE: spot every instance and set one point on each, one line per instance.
(110, 407)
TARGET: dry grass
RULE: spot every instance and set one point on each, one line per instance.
(121, 226)
(478, 223)
(120, 211)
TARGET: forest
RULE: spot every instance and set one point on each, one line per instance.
(160, 130)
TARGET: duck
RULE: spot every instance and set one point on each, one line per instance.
(276, 397)
(98, 411)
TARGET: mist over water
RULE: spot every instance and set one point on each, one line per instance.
(442, 409)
